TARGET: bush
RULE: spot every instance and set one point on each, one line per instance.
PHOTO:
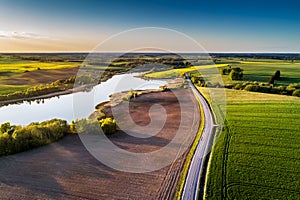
(5, 127)
(108, 125)
(236, 75)
(5, 142)
(252, 88)
(275, 90)
(85, 126)
(296, 93)
(238, 86)
(17, 138)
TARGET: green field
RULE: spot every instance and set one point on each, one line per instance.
(257, 156)
(7, 89)
(261, 70)
(258, 70)
(177, 72)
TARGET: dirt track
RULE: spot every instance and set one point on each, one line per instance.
(65, 170)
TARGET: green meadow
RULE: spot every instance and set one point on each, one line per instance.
(257, 155)
(8, 89)
(258, 70)
(179, 72)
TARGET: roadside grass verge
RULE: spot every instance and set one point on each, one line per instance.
(257, 155)
(189, 157)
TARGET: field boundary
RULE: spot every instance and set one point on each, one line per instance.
(190, 155)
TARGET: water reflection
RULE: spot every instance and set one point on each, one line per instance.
(62, 106)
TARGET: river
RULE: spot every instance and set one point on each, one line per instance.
(63, 107)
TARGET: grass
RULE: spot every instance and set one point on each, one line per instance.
(262, 70)
(254, 70)
(177, 72)
(7, 89)
(189, 157)
(257, 156)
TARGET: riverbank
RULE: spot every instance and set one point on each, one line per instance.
(72, 172)
(46, 96)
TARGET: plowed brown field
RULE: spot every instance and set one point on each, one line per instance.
(66, 170)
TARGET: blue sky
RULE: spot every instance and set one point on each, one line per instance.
(218, 25)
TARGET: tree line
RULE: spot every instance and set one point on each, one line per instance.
(42, 89)
(14, 139)
(292, 89)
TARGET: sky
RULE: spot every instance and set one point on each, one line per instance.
(217, 25)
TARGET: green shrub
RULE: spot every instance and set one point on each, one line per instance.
(275, 90)
(264, 89)
(17, 138)
(236, 75)
(238, 86)
(85, 126)
(5, 127)
(252, 88)
(5, 141)
(108, 125)
(296, 93)
(244, 84)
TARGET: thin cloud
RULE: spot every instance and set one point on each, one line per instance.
(21, 35)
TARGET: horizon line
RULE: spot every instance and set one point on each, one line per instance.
(123, 52)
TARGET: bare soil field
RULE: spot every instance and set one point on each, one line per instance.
(40, 76)
(66, 170)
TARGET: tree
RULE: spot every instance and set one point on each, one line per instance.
(272, 80)
(235, 75)
(5, 127)
(277, 75)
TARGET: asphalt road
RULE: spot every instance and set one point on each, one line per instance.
(192, 183)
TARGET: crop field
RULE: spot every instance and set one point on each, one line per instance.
(257, 156)
(17, 74)
(66, 170)
(10, 65)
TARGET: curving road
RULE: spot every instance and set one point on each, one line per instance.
(192, 183)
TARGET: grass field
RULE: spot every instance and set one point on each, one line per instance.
(7, 89)
(261, 70)
(177, 72)
(258, 70)
(257, 156)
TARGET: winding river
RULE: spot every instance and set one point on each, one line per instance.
(62, 107)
